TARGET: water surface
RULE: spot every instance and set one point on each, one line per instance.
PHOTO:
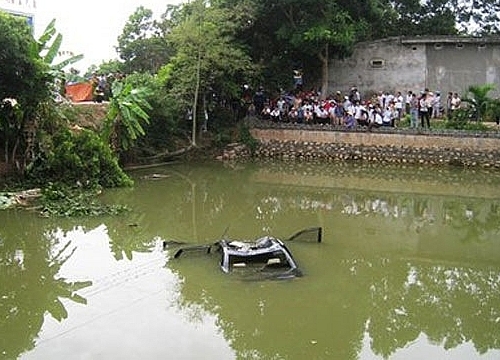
(409, 268)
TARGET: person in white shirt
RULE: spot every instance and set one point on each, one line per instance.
(408, 98)
(360, 114)
(423, 110)
(381, 99)
(375, 116)
(455, 102)
(321, 114)
(275, 114)
(387, 116)
(398, 105)
(436, 105)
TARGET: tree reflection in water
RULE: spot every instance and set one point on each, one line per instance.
(394, 299)
(30, 287)
(481, 220)
(452, 305)
(394, 302)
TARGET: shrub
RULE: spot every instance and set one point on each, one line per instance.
(77, 158)
(461, 120)
(246, 138)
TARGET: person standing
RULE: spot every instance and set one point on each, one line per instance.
(423, 109)
(259, 100)
(408, 97)
(448, 104)
(455, 102)
(436, 105)
(398, 105)
(413, 109)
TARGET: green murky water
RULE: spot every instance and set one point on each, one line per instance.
(409, 268)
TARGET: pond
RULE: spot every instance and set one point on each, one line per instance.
(409, 268)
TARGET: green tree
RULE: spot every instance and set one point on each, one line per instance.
(442, 17)
(208, 60)
(142, 45)
(24, 77)
(106, 67)
(165, 123)
(288, 35)
(478, 17)
(424, 18)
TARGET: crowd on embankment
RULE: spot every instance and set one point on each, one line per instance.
(351, 109)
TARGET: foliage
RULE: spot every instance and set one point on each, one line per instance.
(59, 200)
(423, 18)
(142, 45)
(106, 68)
(76, 158)
(445, 17)
(22, 73)
(23, 77)
(166, 121)
(222, 138)
(208, 61)
(73, 75)
(126, 114)
(246, 138)
(476, 17)
(464, 119)
(11, 116)
(481, 107)
(285, 35)
(49, 45)
(477, 107)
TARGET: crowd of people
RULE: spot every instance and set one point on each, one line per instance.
(351, 110)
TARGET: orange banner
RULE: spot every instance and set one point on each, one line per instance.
(79, 92)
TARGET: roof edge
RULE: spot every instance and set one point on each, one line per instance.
(450, 39)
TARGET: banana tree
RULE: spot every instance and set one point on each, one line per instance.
(49, 45)
(126, 116)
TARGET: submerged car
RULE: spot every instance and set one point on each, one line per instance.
(265, 257)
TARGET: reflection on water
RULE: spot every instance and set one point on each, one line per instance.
(409, 268)
(31, 286)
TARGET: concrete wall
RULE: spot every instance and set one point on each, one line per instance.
(402, 64)
(454, 67)
(384, 148)
(379, 139)
(402, 68)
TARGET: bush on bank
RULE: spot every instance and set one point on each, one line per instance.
(71, 169)
(76, 158)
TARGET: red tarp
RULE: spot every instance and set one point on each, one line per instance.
(79, 92)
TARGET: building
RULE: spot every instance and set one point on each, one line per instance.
(23, 8)
(439, 63)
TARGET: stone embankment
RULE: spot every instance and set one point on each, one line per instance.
(387, 154)
(235, 151)
(403, 147)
